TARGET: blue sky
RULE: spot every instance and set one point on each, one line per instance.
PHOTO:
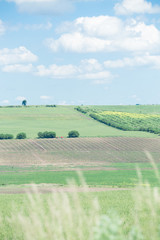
(80, 52)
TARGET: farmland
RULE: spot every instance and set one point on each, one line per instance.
(143, 109)
(107, 162)
(77, 152)
(107, 157)
(60, 119)
(127, 121)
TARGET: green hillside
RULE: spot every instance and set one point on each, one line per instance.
(144, 109)
(60, 119)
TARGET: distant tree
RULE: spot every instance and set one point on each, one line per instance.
(46, 134)
(24, 102)
(21, 135)
(73, 134)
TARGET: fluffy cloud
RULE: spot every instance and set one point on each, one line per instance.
(127, 7)
(135, 97)
(45, 97)
(89, 69)
(145, 60)
(2, 28)
(77, 42)
(98, 78)
(104, 33)
(16, 56)
(5, 101)
(45, 6)
(20, 98)
(41, 26)
(18, 68)
(55, 71)
(101, 26)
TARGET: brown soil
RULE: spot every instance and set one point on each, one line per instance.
(43, 190)
(76, 169)
(81, 151)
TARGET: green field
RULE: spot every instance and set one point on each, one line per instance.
(109, 165)
(111, 178)
(144, 109)
(60, 119)
(142, 118)
(121, 202)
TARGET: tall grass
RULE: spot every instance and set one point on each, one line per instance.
(62, 216)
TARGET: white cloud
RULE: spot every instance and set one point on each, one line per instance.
(90, 65)
(5, 101)
(88, 69)
(63, 103)
(101, 82)
(108, 34)
(16, 56)
(56, 71)
(45, 97)
(141, 37)
(45, 6)
(143, 60)
(135, 97)
(101, 26)
(20, 98)
(18, 68)
(78, 42)
(95, 76)
(42, 26)
(2, 28)
(127, 7)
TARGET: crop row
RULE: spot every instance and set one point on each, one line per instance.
(129, 121)
(81, 144)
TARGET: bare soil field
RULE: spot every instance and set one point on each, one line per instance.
(77, 153)
(51, 188)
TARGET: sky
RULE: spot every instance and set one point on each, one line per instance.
(74, 52)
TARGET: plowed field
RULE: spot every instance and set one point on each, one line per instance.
(77, 152)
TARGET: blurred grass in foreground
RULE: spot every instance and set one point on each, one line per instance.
(62, 216)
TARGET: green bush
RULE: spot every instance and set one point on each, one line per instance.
(46, 134)
(1, 136)
(73, 134)
(40, 135)
(21, 135)
(86, 110)
(6, 136)
(51, 105)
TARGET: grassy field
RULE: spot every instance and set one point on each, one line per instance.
(144, 109)
(121, 202)
(109, 162)
(104, 161)
(144, 118)
(113, 178)
(60, 119)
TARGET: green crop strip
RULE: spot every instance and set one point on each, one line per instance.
(114, 178)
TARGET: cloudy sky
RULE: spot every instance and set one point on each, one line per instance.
(80, 51)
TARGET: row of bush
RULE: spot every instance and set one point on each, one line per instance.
(28, 106)
(46, 134)
(79, 109)
(10, 136)
(128, 124)
(51, 105)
